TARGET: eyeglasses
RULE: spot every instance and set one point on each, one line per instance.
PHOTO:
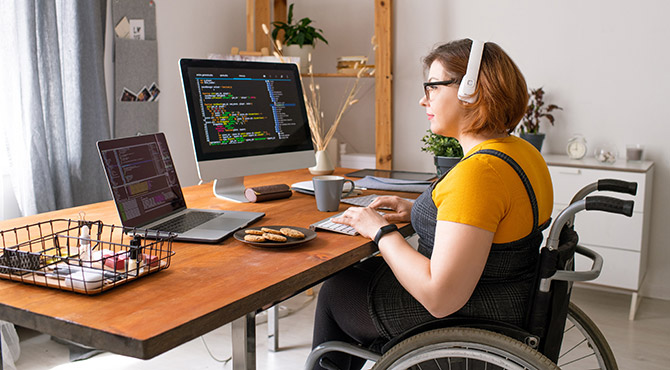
(431, 86)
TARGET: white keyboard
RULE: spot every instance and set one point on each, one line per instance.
(328, 225)
(365, 200)
(362, 201)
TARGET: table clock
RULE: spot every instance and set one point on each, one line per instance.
(576, 147)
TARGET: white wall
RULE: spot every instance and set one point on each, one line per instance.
(602, 61)
(190, 29)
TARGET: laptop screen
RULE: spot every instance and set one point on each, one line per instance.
(142, 178)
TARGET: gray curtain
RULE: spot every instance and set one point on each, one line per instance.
(53, 105)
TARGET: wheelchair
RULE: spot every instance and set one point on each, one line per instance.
(557, 334)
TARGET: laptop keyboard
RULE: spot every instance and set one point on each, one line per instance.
(185, 222)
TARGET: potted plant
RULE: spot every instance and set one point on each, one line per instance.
(536, 110)
(299, 37)
(447, 151)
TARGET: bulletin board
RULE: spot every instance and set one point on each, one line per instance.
(136, 88)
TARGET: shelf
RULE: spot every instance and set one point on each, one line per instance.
(259, 12)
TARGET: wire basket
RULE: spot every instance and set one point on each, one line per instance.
(85, 257)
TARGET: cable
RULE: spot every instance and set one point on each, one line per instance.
(224, 361)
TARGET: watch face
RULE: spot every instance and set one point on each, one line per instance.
(576, 148)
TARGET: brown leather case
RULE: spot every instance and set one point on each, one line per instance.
(267, 192)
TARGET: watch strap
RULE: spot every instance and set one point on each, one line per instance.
(385, 230)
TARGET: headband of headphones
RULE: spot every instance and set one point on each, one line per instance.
(466, 91)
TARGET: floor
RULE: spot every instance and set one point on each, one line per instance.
(639, 344)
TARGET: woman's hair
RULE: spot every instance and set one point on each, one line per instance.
(501, 91)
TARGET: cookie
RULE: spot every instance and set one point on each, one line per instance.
(254, 238)
(270, 231)
(292, 233)
(253, 232)
(274, 237)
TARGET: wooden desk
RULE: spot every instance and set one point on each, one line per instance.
(205, 287)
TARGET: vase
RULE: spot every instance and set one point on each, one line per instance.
(302, 52)
(445, 164)
(324, 166)
(535, 139)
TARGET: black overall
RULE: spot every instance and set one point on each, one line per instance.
(502, 293)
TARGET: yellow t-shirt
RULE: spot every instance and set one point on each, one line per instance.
(484, 191)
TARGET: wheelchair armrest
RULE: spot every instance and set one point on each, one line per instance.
(563, 275)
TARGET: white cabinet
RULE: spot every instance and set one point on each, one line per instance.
(622, 241)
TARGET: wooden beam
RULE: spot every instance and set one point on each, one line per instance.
(250, 25)
(262, 14)
(280, 14)
(383, 84)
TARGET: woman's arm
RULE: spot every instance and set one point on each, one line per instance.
(442, 284)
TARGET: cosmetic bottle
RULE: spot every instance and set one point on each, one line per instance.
(85, 253)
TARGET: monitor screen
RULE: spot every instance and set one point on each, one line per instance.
(246, 117)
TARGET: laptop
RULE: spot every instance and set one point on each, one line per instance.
(147, 194)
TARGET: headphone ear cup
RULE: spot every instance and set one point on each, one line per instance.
(466, 91)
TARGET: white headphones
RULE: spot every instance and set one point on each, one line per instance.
(466, 91)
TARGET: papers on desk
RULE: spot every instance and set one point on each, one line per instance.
(382, 183)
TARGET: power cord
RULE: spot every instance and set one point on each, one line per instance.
(288, 313)
(223, 361)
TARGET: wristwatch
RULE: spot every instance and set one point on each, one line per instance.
(385, 230)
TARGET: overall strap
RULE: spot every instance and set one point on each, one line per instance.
(522, 176)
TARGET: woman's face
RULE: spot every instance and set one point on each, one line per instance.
(443, 108)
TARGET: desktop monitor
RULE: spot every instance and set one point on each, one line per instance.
(246, 118)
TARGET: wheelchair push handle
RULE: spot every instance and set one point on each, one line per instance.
(592, 203)
(609, 204)
(618, 186)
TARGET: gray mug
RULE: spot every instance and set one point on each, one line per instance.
(328, 192)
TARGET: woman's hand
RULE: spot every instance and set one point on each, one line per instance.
(401, 206)
(364, 219)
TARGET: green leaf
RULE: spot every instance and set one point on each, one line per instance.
(290, 14)
(299, 33)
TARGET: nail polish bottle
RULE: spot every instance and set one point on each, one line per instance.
(134, 257)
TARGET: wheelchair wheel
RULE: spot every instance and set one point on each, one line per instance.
(462, 348)
(584, 345)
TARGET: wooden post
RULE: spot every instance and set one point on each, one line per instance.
(258, 13)
(262, 14)
(279, 14)
(383, 84)
(251, 23)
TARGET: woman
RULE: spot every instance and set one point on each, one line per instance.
(479, 226)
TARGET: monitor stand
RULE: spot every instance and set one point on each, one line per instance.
(230, 188)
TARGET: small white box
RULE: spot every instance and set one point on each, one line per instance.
(357, 160)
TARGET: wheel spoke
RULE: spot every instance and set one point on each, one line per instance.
(578, 359)
(573, 347)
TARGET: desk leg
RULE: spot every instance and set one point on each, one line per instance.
(244, 342)
(273, 328)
